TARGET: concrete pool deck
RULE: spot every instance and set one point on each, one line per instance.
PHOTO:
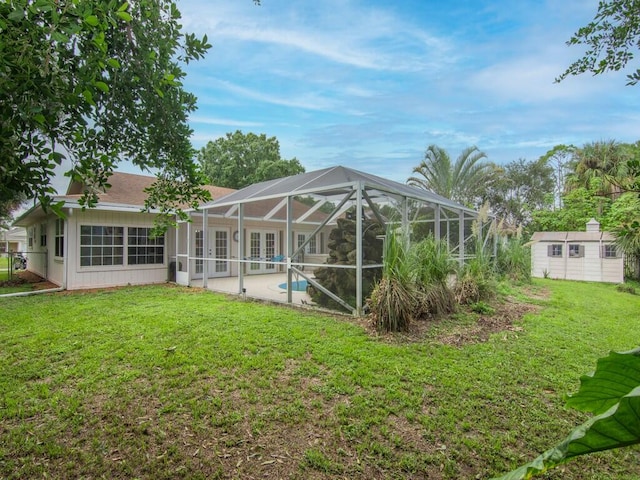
(263, 287)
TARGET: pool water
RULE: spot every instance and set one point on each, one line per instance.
(299, 286)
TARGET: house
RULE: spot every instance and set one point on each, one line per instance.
(13, 239)
(590, 255)
(105, 246)
(283, 226)
(110, 244)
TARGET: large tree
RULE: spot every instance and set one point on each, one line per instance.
(237, 160)
(520, 188)
(602, 165)
(459, 181)
(612, 40)
(97, 82)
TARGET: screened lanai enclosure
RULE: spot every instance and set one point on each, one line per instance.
(315, 238)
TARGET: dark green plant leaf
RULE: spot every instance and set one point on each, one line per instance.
(615, 376)
(619, 426)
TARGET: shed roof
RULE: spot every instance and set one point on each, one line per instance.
(572, 237)
(329, 183)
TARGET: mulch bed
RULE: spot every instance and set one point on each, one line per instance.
(25, 277)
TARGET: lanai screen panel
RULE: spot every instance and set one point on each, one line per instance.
(364, 200)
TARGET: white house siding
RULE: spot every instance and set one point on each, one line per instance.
(613, 270)
(593, 267)
(574, 267)
(35, 253)
(80, 277)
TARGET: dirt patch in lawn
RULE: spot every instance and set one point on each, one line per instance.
(27, 278)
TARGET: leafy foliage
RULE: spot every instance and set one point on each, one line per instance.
(611, 39)
(432, 265)
(602, 165)
(476, 277)
(98, 82)
(513, 260)
(459, 181)
(612, 394)
(238, 160)
(579, 206)
(520, 188)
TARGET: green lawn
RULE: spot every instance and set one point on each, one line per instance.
(4, 270)
(4, 276)
(166, 382)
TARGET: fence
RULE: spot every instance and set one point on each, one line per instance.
(13, 262)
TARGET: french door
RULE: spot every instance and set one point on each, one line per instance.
(218, 251)
(261, 247)
(217, 254)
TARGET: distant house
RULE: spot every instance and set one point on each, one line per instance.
(590, 255)
(13, 239)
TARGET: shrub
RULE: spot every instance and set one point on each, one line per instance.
(514, 260)
(431, 266)
(476, 280)
(392, 304)
(623, 287)
(395, 298)
(483, 308)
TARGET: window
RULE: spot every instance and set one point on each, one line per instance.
(142, 249)
(31, 233)
(43, 234)
(311, 247)
(199, 251)
(59, 238)
(101, 245)
(554, 250)
(609, 251)
(576, 250)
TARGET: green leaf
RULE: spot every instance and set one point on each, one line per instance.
(113, 63)
(102, 86)
(38, 117)
(92, 20)
(88, 96)
(619, 426)
(124, 16)
(59, 37)
(124, 7)
(615, 376)
(16, 16)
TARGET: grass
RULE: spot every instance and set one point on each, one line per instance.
(4, 268)
(166, 382)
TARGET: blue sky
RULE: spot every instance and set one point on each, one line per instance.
(370, 84)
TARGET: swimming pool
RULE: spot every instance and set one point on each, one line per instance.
(298, 286)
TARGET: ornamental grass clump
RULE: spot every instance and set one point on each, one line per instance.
(394, 299)
(514, 260)
(476, 278)
(432, 266)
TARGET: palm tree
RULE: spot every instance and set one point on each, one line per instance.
(459, 181)
(600, 165)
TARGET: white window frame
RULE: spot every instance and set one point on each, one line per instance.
(58, 247)
(119, 255)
